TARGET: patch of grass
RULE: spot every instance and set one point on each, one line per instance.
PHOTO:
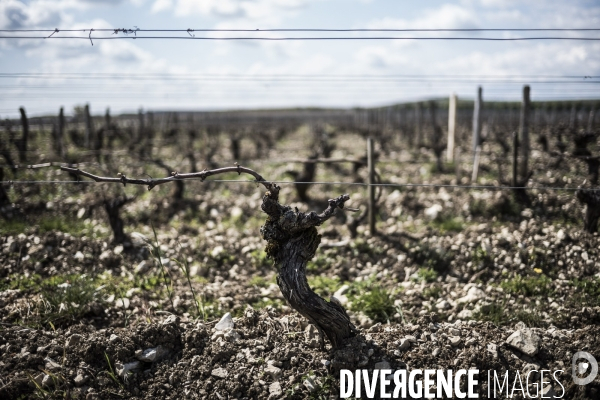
(212, 309)
(505, 207)
(323, 285)
(264, 303)
(360, 246)
(528, 286)
(500, 314)
(62, 224)
(434, 258)
(494, 313)
(373, 300)
(432, 292)
(111, 372)
(259, 281)
(587, 293)
(46, 223)
(259, 258)
(531, 319)
(427, 274)
(62, 299)
(448, 224)
(13, 227)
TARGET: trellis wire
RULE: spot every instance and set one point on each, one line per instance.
(392, 185)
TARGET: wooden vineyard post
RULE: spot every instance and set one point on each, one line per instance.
(590, 124)
(475, 173)
(515, 157)
(573, 118)
(477, 117)
(451, 127)
(60, 131)
(418, 124)
(22, 145)
(88, 126)
(371, 167)
(524, 134)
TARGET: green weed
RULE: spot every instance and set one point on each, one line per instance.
(373, 300)
(259, 281)
(528, 286)
(448, 224)
(427, 274)
(323, 285)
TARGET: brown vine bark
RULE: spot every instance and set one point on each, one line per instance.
(591, 198)
(292, 241)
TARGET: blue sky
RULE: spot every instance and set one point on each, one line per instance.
(203, 75)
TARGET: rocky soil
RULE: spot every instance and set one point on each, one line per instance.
(454, 279)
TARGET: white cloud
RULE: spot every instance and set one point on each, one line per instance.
(249, 11)
(448, 16)
(161, 5)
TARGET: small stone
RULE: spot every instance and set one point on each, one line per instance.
(219, 373)
(325, 363)
(171, 320)
(217, 251)
(443, 305)
(143, 267)
(383, 365)
(472, 295)
(73, 340)
(470, 341)
(454, 331)
(404, 344)
(411, 338)
(493, 349)
(273, 371)
(232, 335)
(123, 370)
(122, 302)
(153, 354)
(39, 378)
(526, 341)
(436, 352)
(51, 364)
(47, 381)
(79, 256)
(113, 338)
(226, 322)
(309, 384)
(80, 380)
(455, 340)
(275, 389)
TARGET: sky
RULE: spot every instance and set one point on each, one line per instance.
(127, 74)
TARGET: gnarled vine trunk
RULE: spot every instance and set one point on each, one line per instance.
(292, 241)
(591, 198)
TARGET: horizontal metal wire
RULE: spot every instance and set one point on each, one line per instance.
(308, 38)
(390, 185)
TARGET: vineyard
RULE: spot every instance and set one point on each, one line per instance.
(467, 224)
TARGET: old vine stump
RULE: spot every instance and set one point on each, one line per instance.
(292, 240)
(591, 198)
